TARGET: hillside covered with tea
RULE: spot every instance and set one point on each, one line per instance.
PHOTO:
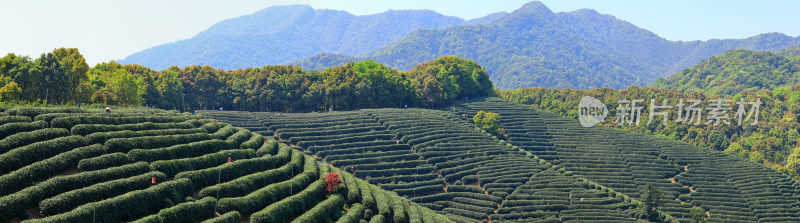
(85, 165)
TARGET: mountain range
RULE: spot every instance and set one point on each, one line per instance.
(282, 34)
(529, 47)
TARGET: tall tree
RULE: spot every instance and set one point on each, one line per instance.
(55, 84)
(149, 89)
(651, 197)
(74, 66)
(127, 87)
(170, 87)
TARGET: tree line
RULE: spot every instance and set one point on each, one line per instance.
(63, 77)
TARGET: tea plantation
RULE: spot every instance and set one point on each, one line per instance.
(441, 161)
(395, 165)
(550, 170)
(729, 188)
(84, 165)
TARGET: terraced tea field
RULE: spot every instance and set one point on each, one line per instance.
(444, 163)
(551, 169)
(729, 188)
(83, 165)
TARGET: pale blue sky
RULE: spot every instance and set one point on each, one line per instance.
(104, 30)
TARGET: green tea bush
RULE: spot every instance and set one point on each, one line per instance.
(178, 151)
(175, 166)
(128, 206)
(284, 209)
(18, 127)
(103, 162)
(23, 156)
(323, 211)
(25, 138)
(44, 169)
(183, 212)
(86, 129)
(74, 198)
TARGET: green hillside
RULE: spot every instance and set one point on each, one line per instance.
(773, 141)
(439, 159)
(444, 163)
(729, 188)
(736, 71)
(83, 165)
(73, 165)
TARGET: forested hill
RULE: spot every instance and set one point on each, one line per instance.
(282, 34)
(736, 71)
(534, 47)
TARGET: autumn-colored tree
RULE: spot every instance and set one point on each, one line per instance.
(332, 182)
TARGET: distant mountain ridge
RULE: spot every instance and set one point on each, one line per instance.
(534, 47)
(529, 47)
(282, 34)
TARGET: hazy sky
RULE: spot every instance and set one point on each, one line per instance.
(105, 30)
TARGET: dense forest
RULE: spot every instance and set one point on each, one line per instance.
(736, 71)
(63, 77)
